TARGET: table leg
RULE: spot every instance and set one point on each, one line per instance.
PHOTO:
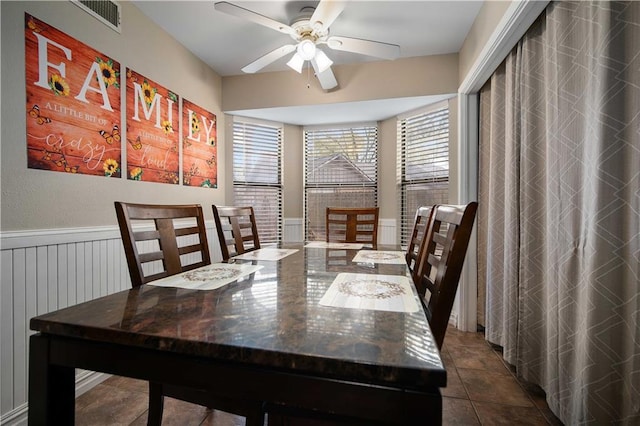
(51, 387)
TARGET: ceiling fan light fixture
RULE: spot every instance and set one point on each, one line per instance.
(322, 61)
(296, 62)
(307, 49)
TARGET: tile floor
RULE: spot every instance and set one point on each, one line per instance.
(482, 390)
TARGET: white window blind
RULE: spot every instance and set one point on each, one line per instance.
(257, 175)
(341, 170)
(424, 164)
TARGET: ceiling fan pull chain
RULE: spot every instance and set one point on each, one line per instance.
(308, 77)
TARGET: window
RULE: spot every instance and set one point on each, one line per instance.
(423, 163)
(257, 176)
(341, 170)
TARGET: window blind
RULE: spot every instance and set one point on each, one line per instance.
(257, 175)
(341, 170)
(424, 164)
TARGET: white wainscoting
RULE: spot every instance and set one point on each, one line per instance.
(387, 232)
(45, 270)
(292, 230)
(42, 271)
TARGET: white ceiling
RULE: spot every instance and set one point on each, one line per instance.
(227, 43)
(345, 112)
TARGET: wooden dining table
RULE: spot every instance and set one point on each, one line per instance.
(313, 330)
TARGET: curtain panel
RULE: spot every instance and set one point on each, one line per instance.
(559, 211)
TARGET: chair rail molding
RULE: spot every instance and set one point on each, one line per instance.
(515, 22)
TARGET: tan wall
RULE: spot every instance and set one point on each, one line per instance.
(454, 150)
(486, 22)
(38, 199)
(228, 159)
(428, 75)
(293, 171)
(387, 173)
(77, 201)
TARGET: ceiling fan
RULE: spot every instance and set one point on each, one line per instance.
(310, 30)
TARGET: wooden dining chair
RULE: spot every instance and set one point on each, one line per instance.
(440, 262)
(160, 241)
(237, 230)
(157, 248)
(417, 239)
(352, 225)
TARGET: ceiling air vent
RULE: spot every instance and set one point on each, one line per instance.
(106, 11)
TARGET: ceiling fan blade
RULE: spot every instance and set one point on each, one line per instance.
(326, 78)
(326, 12)
(270, 57)
(241, 12)
(365, 47)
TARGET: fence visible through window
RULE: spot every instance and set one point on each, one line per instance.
(341, 170)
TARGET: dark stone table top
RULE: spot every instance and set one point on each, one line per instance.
(270, 319)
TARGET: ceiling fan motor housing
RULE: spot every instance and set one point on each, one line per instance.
(304, 30)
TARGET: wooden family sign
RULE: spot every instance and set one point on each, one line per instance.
(199, 146)
(73, 104)
(73, 117)
(152, 131)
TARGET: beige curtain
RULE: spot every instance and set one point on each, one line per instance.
(559, 218)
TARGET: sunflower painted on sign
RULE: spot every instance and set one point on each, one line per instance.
(136, 173)
(195, 125)
(110, 167)
(59, 85)
(110, 76)
(149, 92)
(167, 127)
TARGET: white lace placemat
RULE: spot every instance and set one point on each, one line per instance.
(324, 244)
(266, 254)
(380, 256)
(207, 277)
(371, 291)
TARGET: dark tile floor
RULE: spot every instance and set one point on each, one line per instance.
(482, 390)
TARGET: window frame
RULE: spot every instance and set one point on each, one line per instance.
(367, 186)
(271, 187)
(413, 119)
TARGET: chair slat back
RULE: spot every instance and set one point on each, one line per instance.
(237, 230)
(162, 240)
(417, 239)
(441, 262)
(352, 225)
